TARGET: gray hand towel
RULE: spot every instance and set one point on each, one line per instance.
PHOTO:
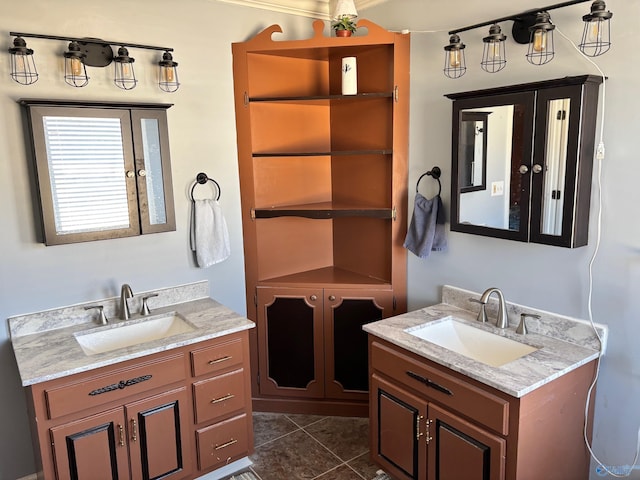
(426, 231)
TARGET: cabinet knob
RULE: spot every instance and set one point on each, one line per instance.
(130, 174)
(537, 168)
(313, 298)
(142, 173)
(332, 297)
(523, 169)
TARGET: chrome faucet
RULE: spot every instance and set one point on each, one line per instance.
(125, 293)
(502, 321)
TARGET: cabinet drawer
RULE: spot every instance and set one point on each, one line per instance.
(222, 443)
(90, 391)
(219, 396)
(467, 399)
(215, 358)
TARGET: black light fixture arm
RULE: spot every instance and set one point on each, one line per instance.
(518, 16)
(96, 41)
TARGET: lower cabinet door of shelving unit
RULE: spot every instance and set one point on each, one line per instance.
(347, 361)
(290, 342)
(222, 443)
(93, 448)
(157, 436)
(460, 450)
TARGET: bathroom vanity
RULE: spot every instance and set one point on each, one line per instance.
(173, 407)
(439, 414)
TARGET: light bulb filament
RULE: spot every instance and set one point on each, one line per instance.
(454, 58)
(540, 40)
(76, 66)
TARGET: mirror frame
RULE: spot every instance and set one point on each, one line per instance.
(583, 94)
(525, 145)
(129, 115)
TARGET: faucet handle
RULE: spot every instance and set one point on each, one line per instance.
(522, 327)
(482, 314)
(101, 316)
(145, 308)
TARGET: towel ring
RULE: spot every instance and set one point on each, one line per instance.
(201, 179)
(435, 172)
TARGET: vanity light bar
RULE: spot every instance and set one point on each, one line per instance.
(93, 52)
(535, 28)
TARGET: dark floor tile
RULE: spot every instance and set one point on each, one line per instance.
(269, 426)
(363, 466)
(347, 437)
(343, 472)
(294, 456)
(303, 420)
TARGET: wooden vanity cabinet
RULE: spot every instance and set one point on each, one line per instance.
(147, 418)
(323, 184)
(431, 423)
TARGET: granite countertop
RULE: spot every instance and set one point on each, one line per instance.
(54, 352)
(564, 346)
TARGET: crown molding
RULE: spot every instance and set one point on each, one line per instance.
(306, 8)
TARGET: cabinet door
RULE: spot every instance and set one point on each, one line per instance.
(93, 448)
(397, 427)
(290, 342)
(346, 344)
(157, 432)
(459, 449)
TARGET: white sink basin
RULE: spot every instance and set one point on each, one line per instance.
(471, 342)
(134, 332)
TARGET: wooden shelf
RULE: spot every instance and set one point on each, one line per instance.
(323, 154)
(335, 276)
(321, 98)
(324, 210)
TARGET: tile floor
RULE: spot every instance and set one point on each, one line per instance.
(292, 446)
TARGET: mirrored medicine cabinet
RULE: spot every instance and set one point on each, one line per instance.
(522, 160)
(101, 170)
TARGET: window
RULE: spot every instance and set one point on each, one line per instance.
(103, 170)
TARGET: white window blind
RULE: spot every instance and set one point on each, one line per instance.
(85, 155)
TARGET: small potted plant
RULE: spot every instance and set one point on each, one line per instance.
(344, 26)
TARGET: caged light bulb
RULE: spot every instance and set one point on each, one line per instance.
(454, 58)
(540, 40)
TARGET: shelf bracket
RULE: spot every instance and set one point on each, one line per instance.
(396, 95)
(253, 214)
(394, 213)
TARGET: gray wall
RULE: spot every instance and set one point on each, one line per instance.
(202, 136)
(549, 278)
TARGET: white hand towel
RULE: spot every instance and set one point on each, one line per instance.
(211, 234)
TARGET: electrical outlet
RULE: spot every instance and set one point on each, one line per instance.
(497, 188)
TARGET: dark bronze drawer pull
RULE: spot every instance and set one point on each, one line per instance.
(219, 360)
(429, 383)
(120, 385)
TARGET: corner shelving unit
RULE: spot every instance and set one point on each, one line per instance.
(323, 180)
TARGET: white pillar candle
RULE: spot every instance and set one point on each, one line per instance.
(349, 76)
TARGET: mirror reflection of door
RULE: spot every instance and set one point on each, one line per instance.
(555, 166)
(489, 206)
(473, 151)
